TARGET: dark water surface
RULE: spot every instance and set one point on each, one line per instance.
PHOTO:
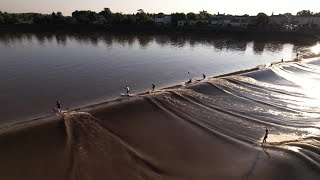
(38, 69)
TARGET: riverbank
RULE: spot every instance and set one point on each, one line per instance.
(234, 33)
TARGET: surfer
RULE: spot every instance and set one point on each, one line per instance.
(204, 76)
(265, 136)
(58, 107)
(153, 87)
(128, 89)
(282, 60)
(190, 80)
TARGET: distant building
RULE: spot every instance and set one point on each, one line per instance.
(240, 22)
(163, 20)
(278, 21)
(25, 22)
(307, 22)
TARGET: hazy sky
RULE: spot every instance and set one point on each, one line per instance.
(239, 7)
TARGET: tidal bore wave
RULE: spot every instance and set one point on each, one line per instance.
(209, 129)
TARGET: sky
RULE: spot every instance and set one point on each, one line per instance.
(235, 7)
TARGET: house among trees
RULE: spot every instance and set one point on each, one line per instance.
(229, 21)
(163, 20)
(304, 20)
(25, 22)
(308, 22)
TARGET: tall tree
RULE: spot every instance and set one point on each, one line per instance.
(142, 17)
(204, 15)
(84, 17)
(192, 16)
(305, 13)
(106, 13)
(178, 17)
(316, 14)
(262, 20)
(1, 18)
(160, 14)
(117, 18)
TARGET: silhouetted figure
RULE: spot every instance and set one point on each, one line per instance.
(204, 76)
(265, 136)
(297, 55)
(153, 87)
(58, 107)
(190, 80)
(128, 89)
(282, 60)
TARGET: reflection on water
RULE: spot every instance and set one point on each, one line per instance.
(258, 47)
(81, 69)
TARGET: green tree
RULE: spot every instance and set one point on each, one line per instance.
(117, 18)
(305, 13)
(316, 14)
(1, 18)
(160, 14)
(59, 14)
(262, 20)
(129, 19)
(84, 17)
(106, 13)
(204, 15)
(178, 17)
(192, 16)
(143, 18)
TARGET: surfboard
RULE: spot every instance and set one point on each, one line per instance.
(125, 95)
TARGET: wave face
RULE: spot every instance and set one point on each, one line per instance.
(209, 129)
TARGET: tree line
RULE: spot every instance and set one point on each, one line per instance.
(106, 16)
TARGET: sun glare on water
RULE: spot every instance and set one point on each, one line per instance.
(316, 49)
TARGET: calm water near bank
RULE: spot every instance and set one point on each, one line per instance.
(79, 70)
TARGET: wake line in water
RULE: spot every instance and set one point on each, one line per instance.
(209, 129)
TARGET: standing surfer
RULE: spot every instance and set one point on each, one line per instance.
(265, 136)
(190, 80)
(58, 107)
(153, 87)
(128, 89)
(204, 76)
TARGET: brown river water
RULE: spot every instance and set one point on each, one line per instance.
(211, 128)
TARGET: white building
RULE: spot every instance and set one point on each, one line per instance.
(163, 20)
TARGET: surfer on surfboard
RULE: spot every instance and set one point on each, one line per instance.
(127, 89)
(265, 136)
(58, 107)
(153, 87)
